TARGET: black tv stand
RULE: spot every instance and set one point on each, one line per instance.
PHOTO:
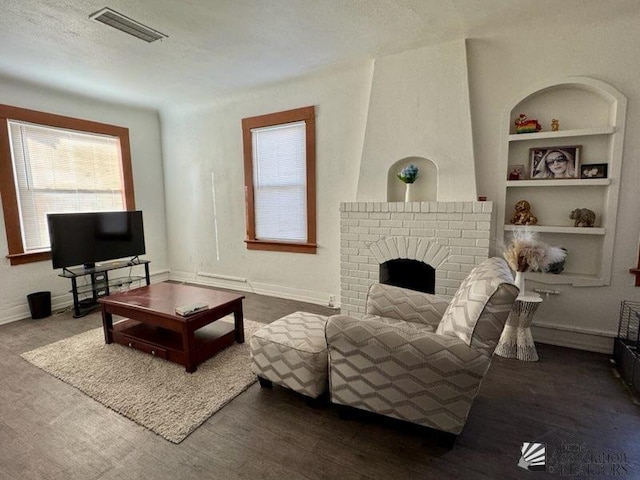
(100, 282)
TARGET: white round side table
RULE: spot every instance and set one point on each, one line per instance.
(516, 340)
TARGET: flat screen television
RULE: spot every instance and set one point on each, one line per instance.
(87, 238)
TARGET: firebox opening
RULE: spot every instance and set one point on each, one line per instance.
(410, 274)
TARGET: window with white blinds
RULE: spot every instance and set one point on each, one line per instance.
(62, 171)
(279, 169)
(279, 182)
(56, 164)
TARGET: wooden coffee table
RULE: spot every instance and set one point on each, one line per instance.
(152, 325)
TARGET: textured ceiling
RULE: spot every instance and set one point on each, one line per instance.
(219, 46)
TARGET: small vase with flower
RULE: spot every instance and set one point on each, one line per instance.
(408, 175)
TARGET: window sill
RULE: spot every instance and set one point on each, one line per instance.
(274, 246)
(30, 257)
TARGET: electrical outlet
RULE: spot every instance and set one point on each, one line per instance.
(332, 300)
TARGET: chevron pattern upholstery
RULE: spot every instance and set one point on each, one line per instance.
(292, 352)
(480, 308)
(395, 362)
(405, 305)
(415, 376)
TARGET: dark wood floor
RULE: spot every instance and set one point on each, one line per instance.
(49, 430)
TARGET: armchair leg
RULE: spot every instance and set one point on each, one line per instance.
(264, 383)
(346, 413)
(446, 440)
(318, 402)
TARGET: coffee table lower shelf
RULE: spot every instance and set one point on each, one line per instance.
(168, 344)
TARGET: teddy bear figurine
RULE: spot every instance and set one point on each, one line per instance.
(523, 215)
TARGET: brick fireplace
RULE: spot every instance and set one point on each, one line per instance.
(450, 237)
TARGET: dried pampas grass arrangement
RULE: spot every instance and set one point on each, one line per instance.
(528, 253)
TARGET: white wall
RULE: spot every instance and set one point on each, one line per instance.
(203, 164)
(419, 107)
(144, 132)
(431, 92)
(503, 66)
(202, 154)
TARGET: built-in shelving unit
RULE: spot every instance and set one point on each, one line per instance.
(591, 182)
(592, 115)
(558, 229)
(582, 132)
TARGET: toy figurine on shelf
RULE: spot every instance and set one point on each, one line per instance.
(516, 172)
(583, 217)
(527, 125)
(523, 215)
(555, 125)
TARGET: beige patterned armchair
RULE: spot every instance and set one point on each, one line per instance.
(415, 356)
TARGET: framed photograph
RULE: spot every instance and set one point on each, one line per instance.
(554, 162)
(516, 172)
(594, 170)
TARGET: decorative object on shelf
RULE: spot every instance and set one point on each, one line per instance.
(523, 215)
(555, 162)
(408, 192)
(555, 125)
(408, 175)
(527, 125)
(527, 252)
(516, 172)
(594, 170)
(583, 217)
(558, 267)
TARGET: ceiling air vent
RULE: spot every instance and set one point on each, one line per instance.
(127, 25)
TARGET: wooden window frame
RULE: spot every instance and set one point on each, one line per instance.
(308, 115)
(636, 272)
(10, 207)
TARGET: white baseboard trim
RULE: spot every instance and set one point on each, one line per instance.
(243, 285)
(60, 302)
(210, 280)
(21, 312)
(309, 296)
(574, 337)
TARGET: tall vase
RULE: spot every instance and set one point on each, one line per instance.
(408, 192)
(519, 281)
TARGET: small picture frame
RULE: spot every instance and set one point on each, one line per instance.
(594, 170)
(549, 163)
(516, 172)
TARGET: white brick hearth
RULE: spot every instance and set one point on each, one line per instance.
(451, 237)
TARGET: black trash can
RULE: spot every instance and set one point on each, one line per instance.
(39, 304)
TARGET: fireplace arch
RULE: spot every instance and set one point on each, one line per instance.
(407, 273)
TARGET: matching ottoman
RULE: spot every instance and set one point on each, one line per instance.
(292, 352)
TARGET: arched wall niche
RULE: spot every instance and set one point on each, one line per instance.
(425, 188)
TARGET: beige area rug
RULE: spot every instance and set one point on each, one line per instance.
(153, 392)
